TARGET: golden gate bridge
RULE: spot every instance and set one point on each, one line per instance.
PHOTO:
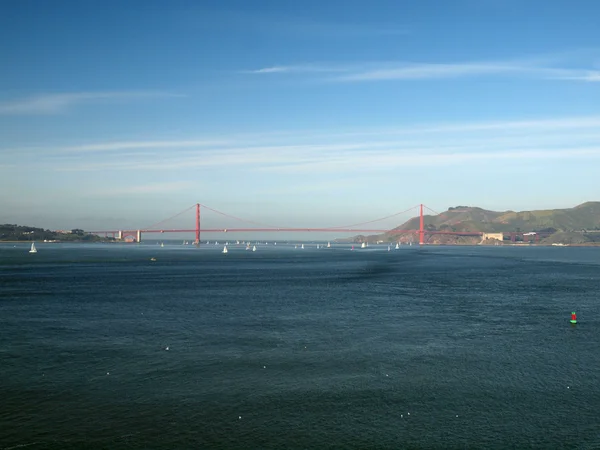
(358, 228)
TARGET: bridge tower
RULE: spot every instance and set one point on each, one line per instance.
(197, 242)
(120, 235)
(421, 226)
(139, 236)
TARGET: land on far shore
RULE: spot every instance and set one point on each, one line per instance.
(10, 232)
(579, 225)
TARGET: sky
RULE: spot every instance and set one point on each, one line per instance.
(117, 115)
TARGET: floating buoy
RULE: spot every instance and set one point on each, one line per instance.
(573, 317)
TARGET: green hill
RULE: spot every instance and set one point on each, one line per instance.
(581, 219)
(11, 232)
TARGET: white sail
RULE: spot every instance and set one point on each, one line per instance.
(329, 245)
(33, 249)
(397, 246)
(254, 248)
(363, 245)
(389, 248)
(302, 247)
(225, 249)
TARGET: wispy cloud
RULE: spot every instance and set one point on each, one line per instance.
(361, 151)
(60, 102)
(431, 71)
(593, 77)
(132, 145)
(299, 69)
(535, 67)
(144, 189)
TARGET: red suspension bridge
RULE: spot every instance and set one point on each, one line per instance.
(359, 228)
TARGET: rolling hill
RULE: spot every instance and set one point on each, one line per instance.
(583, 220)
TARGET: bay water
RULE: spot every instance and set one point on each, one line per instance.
(433, 347)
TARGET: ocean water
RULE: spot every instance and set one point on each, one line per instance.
(439, 347)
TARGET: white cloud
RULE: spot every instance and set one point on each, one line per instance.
(130, 145)
(146, 189)
(294, 69)
(60, 102)
(541, 68)
(586, 76)
(430, 71)
(274, 69)
(391, 160)
(364, 152)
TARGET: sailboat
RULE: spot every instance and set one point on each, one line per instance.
(302, 247)
(389, 248)
(397, 246)
(254, 248)
(33, 249)
(225, 249)
(329, 245)
(317, 246)
(363, 245)
(162, 244)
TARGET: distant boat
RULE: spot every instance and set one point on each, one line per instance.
(33, 249)
(225, 249)
(152, 259)
(363, 245)
(254, 248)
(397, 246)
(317, 245)
(302, 247)
(389, 248)
(329, 245)
(162, 245)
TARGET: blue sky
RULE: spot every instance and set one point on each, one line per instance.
(120, 114)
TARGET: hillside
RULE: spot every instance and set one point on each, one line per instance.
(579, 219)
(10, 232)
